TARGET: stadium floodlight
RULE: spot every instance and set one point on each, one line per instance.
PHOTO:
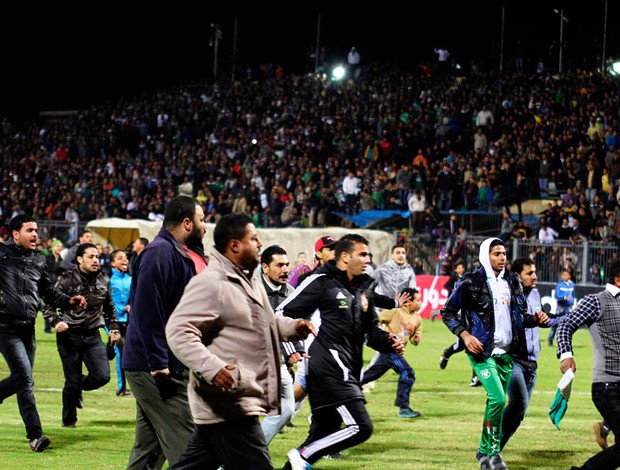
(338, 73)
(614, 69)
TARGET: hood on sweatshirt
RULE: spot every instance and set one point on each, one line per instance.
(485, 259)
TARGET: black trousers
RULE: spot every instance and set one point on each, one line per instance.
(327, 434)
(236, 444)
(606, 398)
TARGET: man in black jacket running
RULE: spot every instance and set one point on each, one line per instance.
(342, 293)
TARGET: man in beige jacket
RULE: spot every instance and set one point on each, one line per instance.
(225, 331)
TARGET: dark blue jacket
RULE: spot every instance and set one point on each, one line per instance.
(470, 308)
(160, 275)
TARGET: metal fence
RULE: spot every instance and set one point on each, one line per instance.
(587, 261)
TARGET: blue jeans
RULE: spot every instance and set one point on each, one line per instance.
(561, 313)
(271, 425)
(406, 375)
(606, 398)
(520, 390)
(75, 349)
(18, 346)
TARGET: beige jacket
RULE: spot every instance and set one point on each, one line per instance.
(224, 319)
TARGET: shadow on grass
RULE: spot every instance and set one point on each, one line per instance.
(130, 423)
(555, 459)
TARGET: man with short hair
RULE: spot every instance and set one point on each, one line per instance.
(157, 378)
(225, 332)
(601, 314)
(68, 261)
(341, 292)
(136, 248)
(524, 370)
(393, 276)
(275, 269)
(77, 330)
(565, 298)
(488, 311)
(24, 278)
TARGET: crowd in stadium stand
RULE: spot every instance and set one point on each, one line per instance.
(291, 150)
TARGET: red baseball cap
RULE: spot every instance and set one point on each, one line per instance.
(324, 242)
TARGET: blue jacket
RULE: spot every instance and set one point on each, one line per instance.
(562, 291)
(470, 308)
(160, 275)
(120, 283)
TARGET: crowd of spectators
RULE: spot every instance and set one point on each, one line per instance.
(293, 150)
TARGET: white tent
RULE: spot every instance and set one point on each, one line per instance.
(120, 233)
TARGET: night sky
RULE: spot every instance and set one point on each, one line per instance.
(70, 54)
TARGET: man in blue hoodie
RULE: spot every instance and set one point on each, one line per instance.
(488, 311)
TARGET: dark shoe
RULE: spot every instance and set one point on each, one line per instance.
(600, 434)
(496, 462)
(40, 443)
(69, 425)
(408, 413)
(475, 381)
(123, 393)
(483, 460)
(443, 360)
(110, 352)
(334, 456)
(290, 424)
(79, 403)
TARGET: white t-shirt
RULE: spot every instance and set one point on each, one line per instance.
(501, 308)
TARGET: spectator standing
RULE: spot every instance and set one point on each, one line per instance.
(565, 298)
(157, 378)
(231, 385)
(417, 204)
(443, 66)
(77, 330)
(599, 312)
(73, 219)
(353, 59)
(24, 278)
(351, 190)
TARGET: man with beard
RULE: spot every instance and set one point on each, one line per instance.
(77, 330)
(157, 378)
(225, 331)
(275, 269)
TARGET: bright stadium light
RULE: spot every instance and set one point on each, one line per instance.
(338, 73)
(615, 68)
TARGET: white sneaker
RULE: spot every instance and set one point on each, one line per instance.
(296, 460)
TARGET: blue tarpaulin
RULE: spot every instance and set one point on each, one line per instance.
(368, 218)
